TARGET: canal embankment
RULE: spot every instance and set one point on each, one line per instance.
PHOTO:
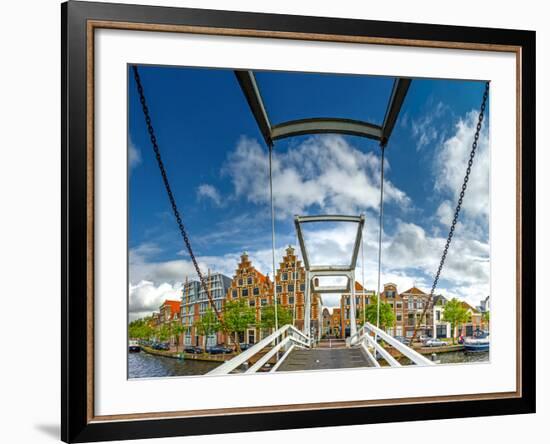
(189, 356)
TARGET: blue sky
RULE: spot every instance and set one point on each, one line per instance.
(217, 164)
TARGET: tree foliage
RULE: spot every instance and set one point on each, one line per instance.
(177, 329)
(284, 316)
(387, 317)
(237, 317)
(456, 314)
(141, 329)
(208, 324)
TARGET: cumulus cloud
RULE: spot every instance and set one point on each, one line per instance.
(450, 165)
(324, 173)
(146, 297)
(207, 191)
(328, 174)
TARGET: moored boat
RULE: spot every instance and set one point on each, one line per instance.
(478, 342)
(134, 347)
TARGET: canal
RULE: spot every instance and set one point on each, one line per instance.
(454, 357)
(459, 357)
(144, 365)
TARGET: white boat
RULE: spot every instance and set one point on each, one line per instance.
(479, 341)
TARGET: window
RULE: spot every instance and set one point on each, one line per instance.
(249, 280)
(302, 287)
(285, 276)
(290, 287)
(245, 292)
(251, 336)
(411, 304)
(291, 299)
(252, 303)
(234, 293)
(398, 317)
(437, 315)
(240, 282)
(279, 288)
(264, 302)
(256, 291)
(398, 305)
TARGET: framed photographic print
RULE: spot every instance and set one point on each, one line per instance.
(277, 221)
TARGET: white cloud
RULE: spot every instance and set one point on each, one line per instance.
(445, 213)
(323, 172)
(207, 191)
(134, 156)
(451, 162)
(410, 256)
(146, 297)
(424, 128)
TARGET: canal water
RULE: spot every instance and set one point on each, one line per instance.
(455, 357)
(144, 365)
(458, 357)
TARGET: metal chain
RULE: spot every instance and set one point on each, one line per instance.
(458, 206)
(175, 210)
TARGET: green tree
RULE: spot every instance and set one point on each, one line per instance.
(177, 330)
(284, 316)
(237, 317)
(140, 329)
(208, 324)
(456, 314)
(163, 332)
(387, 317)
(485, 317)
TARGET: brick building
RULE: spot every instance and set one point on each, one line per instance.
(257, 289)
(290, 279)
(362, 299)
(336, 322)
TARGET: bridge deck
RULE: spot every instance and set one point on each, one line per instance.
(324, 359)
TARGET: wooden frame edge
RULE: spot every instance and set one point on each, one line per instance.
(80, 424)
(92, 25)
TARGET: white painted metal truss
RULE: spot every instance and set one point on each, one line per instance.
(329, 270)
(365, 337)
(285, 338)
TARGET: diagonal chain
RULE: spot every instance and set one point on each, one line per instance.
(171, 197)
(458, 207)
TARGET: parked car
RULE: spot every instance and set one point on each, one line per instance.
(403, 340)
(218, 350)
(245, 346)
(435, 343)
(161, 346)
(193, 349)
(424, 338)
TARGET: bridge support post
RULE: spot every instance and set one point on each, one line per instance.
(352, 306)
(307, 305)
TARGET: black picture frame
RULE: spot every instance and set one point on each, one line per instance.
(76, 423)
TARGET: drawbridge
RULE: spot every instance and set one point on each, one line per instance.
(287, 348)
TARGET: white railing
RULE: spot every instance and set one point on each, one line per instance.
(364, 338)
(286, 338)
